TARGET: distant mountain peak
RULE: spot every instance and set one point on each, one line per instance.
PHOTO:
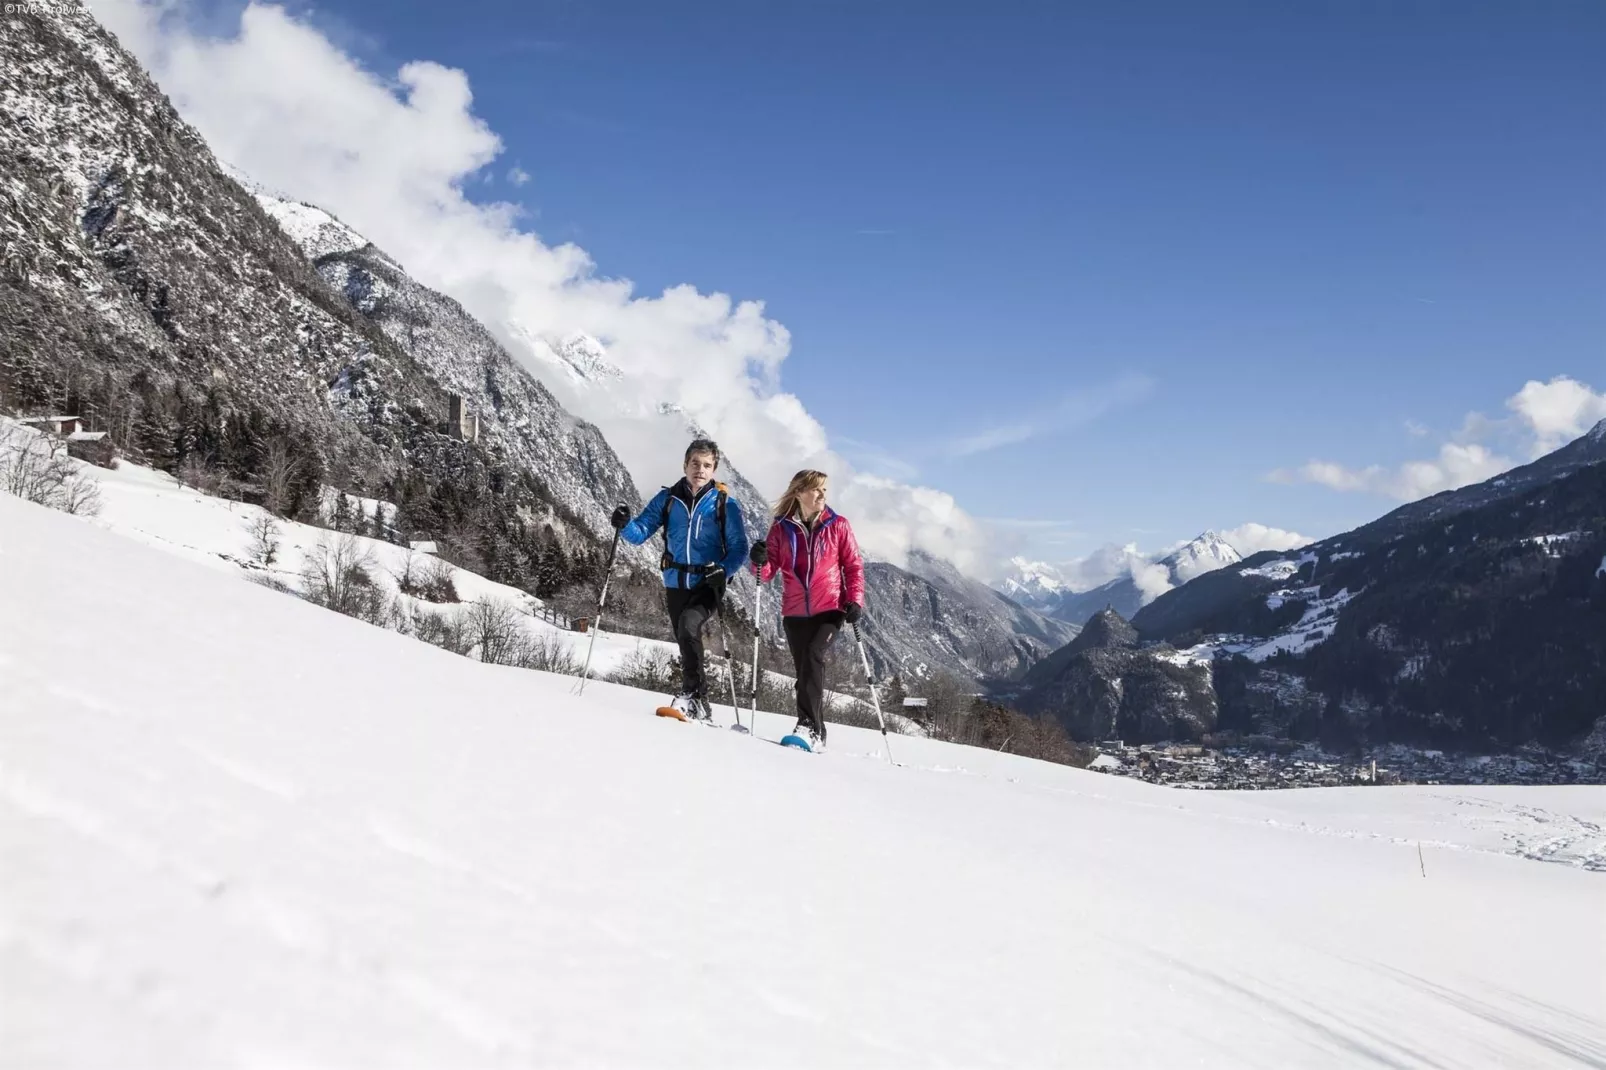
(1034, 584)
(585, 359)
(1206, 553)
(1107, 630)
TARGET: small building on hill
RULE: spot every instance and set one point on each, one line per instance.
(93, 447)
(55, 425)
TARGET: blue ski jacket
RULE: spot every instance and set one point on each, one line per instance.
(692, 532)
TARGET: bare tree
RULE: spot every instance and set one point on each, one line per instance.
(428, 578)
(494, 626)
(278, 472)
(438, 585)
(649, 668)
(197, 474)
(338, 575)
(548, 653)
(265, 539)
(34, 467)
(445, 630)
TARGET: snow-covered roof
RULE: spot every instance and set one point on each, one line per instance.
(425, 547)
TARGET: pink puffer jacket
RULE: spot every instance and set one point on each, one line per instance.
(820, 570)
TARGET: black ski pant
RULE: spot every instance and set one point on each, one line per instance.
(689, 611)
(809, 638)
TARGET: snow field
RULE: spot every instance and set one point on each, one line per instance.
(239, 830)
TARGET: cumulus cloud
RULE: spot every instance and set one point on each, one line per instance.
(1152, 580)
(1556, 412)
(1250, 539)
(518, 176)
(391, 155)
(1545, 417)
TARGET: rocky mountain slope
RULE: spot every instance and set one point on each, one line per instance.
(518, 417)
(930, 616)
(1101, 686)
(146, 291)
(1476, 618)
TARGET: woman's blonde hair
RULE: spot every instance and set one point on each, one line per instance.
(808, 479)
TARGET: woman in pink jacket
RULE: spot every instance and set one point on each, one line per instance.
(822, 586)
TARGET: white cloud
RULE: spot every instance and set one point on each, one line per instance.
(1456, 466)
(1556, 412)
(993, 438)
(1103, 565)
(1546, 416)
(1250, 539)
(1074, 410)
(518, 176)
(391, 157)
(1415, 430)
(1152, 580)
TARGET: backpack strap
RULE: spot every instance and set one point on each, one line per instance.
(719, 518)
(668, 561)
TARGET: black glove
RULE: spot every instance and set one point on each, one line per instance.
(714, 580)
(851, 612)
(760, 554)
(620, 517)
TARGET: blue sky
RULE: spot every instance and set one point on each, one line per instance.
(1101, 265)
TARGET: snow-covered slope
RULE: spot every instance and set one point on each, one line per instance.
(153, 508)
(238, 830)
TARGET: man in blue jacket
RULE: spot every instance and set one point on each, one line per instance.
(705, 542)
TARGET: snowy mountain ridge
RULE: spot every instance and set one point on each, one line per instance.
(1143, 581)
(1206, 553)
(1034, 584)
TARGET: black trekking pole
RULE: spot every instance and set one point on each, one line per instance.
(596, 622)
(869, 677)
(730, 665)
(758, 601)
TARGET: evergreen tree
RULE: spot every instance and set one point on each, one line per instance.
(552, 574)
(184, 425)
(155, 435)
(342, 519)
(307, 482)
(894, 693)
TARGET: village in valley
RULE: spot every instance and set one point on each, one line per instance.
(1254, 764)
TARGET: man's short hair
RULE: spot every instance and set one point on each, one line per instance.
(702, 445)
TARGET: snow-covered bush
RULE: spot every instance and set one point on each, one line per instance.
(547, 653)
(648, 668)
(36, 468)
(338, 575)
